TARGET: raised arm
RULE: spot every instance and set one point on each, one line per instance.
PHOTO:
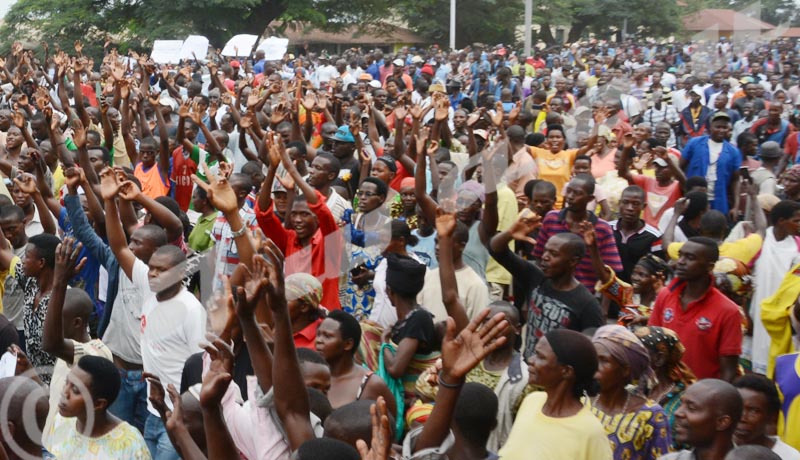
(219, 442)
(77, 69)
(291, 397)
(677, 173)
(129, 191)
(461, 352)
(163, 137)
(222, 197)
(626, 157)
(445, 227)
(246, 300)
(67, 267)
(420, 184)
(27, 184)
(109, 188)
(668, 237)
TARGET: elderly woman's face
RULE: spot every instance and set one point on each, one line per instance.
(611, 374)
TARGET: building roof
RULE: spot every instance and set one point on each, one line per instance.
(723, 20)
(380, 34)
(791, 32)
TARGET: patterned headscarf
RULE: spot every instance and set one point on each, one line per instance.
(626, 348)
(794, 171)
(666, 341)
(304, 287)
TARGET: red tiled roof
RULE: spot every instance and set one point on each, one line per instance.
(723, 20)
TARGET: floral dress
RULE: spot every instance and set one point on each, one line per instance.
(638, 435)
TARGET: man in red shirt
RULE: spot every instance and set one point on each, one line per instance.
(312, 242)
(708, 323)
(185, 162)
(662, 191)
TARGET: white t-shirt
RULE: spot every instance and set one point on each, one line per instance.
(714, 151)
(124, 328)
(171, 332)
(784, 451)
(472, 291)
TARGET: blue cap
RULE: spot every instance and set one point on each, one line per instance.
(343, 134)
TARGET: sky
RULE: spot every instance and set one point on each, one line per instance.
(4, 6)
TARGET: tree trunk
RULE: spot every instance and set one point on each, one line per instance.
(578, 27)
(546, 35)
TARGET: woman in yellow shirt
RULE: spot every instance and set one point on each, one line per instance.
(555, 163)
(557, 423)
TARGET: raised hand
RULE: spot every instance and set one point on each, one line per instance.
(354, 125)
(381, 442)
(462, 352)
(256, 280)
(432, 148)
(219, 191)
(174, 416)
(246, 121)
(219, 373)
(18, 118)
(528, 222)
(185, 109)
(124, 88)
(514, 113)
(67, 265)
(74, 177)
(661, 152)
(587, 231)
(643, 160)
(474, 117)
(442, 109)
(309, 102)
(628, 141)
(26, 183)
(78, 47)
(252, 100)
(416, 112)
(128, 190)
(109, 185)
(681, 206)
(275, 288)
(445, 222)
(279, 113)
(497, 118)
(400, 113)
(156, 392)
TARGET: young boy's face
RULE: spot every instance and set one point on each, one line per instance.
(581, 167)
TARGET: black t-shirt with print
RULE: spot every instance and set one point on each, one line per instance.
(549, 308)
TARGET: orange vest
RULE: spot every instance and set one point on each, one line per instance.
(153, 185)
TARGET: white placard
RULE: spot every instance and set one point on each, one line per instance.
(166, 51)
(8, 365)
(196, 44)
(274, 48)
(239, 45)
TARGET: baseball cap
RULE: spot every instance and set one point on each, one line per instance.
(398, 62)
(235, 64)
(416, 60)
(660, 162)
(720, 116)
(427, 69)
(375, 84)
(343, 135)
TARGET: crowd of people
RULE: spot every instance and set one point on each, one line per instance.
(592, 252)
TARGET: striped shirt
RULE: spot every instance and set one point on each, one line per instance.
(556, 222)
